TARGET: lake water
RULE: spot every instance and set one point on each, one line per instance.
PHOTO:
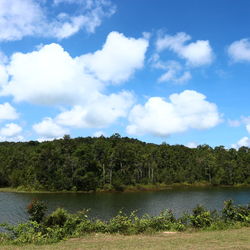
(105, 205)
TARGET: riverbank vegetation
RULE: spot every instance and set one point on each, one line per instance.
(60, 224)
(116, 163)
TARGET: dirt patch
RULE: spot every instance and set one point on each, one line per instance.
(170, 232)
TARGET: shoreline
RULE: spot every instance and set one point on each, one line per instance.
(126, 189)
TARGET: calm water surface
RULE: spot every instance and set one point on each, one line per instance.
(105, 205)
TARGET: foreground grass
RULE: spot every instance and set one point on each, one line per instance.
(229, 239)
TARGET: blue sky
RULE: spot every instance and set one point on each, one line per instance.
(170, 71)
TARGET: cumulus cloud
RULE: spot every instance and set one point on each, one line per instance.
(243, 142)
(7, 112)
(184, 111)
(48, 129)
(3, 75)
(239, 51)
(10, 130)
(49, 75)
(197, 53)
(118, 59)
(102, 112)
(20, 18)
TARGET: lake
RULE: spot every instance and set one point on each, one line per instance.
(105, 205)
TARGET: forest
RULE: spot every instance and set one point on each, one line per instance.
(105, 163)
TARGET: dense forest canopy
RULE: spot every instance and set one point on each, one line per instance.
(112, 162)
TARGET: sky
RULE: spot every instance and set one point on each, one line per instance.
(174, 71)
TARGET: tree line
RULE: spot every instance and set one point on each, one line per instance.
(84, 164)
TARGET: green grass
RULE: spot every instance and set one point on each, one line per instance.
(229, 239)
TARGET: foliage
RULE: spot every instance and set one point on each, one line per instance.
(113, 163)
(61, 225)
(236, 213)
(57, 218)
(36, 209)
(201, 217)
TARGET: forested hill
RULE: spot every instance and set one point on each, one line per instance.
(91, 163)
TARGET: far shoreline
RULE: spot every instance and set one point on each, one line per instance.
(124, 189)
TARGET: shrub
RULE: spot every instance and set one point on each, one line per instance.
(60, 224)
(57, 218)
(121, 223)
(201, 217)
(36, 209)
(234, 213)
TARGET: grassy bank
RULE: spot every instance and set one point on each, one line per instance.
(130, 188)
(229, 239)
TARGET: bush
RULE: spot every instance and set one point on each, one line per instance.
(201, 217)
(36, 209)
(234, 213)
(57, 218)
(121, 223)
(60, 224)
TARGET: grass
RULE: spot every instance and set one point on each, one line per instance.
(229, 239)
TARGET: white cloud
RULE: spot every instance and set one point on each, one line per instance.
(12, 139)
(242, 121)
(197, 53)
(192, 145)
(20, 18)
(174, 71)
(88, 4)
(118, 59)
(239, 51)
(98, 134)
(3, 58)
(50, 76)
(7, 112)
(10, 130)
(184, 78)
(170, 76)
(102, 112)
(243, 142)
(71, 1)
(187, 110)
(3, 75)
(48, 129)
(248, 128)
(246, 121)
(43, 139)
